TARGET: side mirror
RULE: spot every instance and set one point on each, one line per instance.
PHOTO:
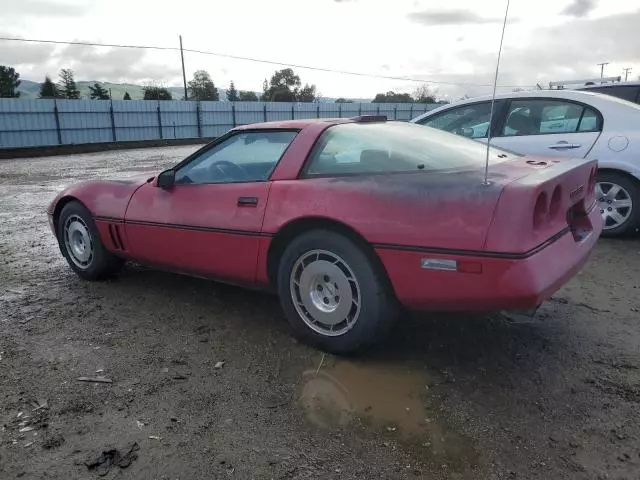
(166, 179)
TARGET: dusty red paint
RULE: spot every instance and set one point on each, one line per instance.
(108, 198)
(200, 229)
(503, 285)
(228, 256)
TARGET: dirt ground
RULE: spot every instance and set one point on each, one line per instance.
(556, 397)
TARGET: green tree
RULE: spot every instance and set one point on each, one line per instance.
(9, 82)
(67, 86)
(48, 89)
(152, 92)
(307, 94)
(285, 86)
(265, 90)
(392, 97)
(98, 92)
(343, 100)
(232, 93)
(126, 96)
(423, 94)
(202, 87)
(244, 96)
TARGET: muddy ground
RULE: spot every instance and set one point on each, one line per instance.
(445, 397)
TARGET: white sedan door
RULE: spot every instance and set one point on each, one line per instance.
(549, 127)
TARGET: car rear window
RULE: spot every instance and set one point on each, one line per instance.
(394, 147)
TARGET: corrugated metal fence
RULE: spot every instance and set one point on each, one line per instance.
(34, 123)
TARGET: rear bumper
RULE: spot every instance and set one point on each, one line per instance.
(504, 284)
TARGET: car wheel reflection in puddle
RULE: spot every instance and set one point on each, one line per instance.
(387, 400)
(383, 398)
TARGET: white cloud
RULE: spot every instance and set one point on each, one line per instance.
(450, 17)
(553, 39)
(580, 8)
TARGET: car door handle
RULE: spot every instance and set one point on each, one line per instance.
(247, 201)
(564, 146)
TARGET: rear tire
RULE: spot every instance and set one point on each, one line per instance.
(80, 244)
(335, 297)
(616, 187)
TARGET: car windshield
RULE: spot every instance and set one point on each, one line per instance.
(396, 147)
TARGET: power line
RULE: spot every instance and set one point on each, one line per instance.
(258, 60)
(115, 45)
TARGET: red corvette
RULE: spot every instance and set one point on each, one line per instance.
(348, 220)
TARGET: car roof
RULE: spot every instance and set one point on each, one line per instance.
(599, 100)
(292, 124)
(562, 93)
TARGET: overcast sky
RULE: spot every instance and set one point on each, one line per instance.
(453, 41)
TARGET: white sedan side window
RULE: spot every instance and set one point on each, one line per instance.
(548, 116)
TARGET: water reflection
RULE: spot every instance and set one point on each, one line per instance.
(383, 398)
(386, 400)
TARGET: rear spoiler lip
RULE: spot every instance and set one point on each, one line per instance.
(552, 168)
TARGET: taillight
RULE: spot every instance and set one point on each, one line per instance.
(540, 211)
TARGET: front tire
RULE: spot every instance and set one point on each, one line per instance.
(618, 197)
(333, 294)
(81, 246)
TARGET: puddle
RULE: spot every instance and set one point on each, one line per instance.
(384, 400)
(379, 397)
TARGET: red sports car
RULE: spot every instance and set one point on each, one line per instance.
(348, 220)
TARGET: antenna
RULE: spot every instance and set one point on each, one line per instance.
(493, 97)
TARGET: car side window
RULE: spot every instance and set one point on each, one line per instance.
(547, 116)
(589, 121)
(471, 121)
(243, 157)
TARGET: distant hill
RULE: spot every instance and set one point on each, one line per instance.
(30, 90)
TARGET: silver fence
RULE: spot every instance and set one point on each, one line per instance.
(35, 123)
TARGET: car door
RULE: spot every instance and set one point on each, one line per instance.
(549, 126)
(209, 221)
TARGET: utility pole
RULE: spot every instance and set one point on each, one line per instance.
(626, 73)
(601, 65)
(184, 75)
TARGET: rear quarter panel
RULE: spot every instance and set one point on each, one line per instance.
(444, 210)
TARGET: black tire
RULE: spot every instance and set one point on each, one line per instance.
(378, 308)
(101, 264)
(632, 186)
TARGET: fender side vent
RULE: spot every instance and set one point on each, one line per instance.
(116, 238)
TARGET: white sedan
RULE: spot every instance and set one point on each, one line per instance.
(566, 123)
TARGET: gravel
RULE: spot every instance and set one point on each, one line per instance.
(208, 382)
